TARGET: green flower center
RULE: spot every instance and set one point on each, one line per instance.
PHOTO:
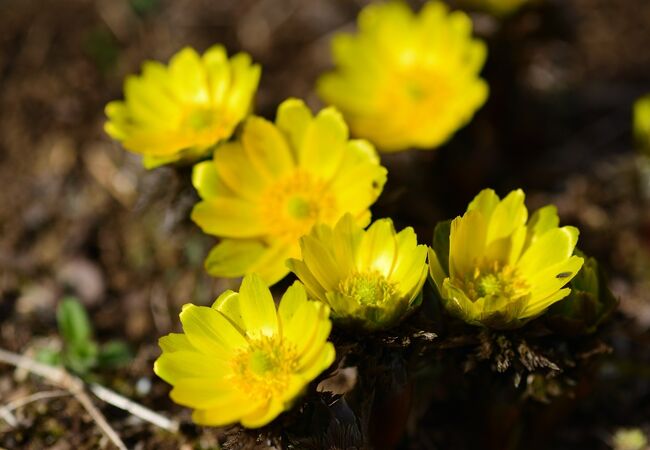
(368, 288)
(496, 281)
(299, 208)
(265, 368)
(200, 119)
(295, 203)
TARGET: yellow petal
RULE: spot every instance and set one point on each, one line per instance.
(378, 248)
(312, 285)
(435, 269)
(293, 119)
(206, 181)
(189, 79)
(271, 265)
(551, 279)
(457, 303)
(411, 257)
(291, 301)
(537, 308)
(176, 366)
(324, 143)
(542, 220)
(466, 243)
(234, 257)
(267, 148)
(360, 179)
(174, 342)
(257, 307)
(210, 332)
(318, 361)
(485, 202)
(237, 171)
(320, 262)
(313, 354)
(218, 73)
(263, 415)
(228, 305)
(309, 323)
(202, 392)
(551, 248)
(345, 245)
(231, 411)
(508, 215)
(244, 81)
(228, 217)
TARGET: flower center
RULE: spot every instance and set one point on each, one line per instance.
(264, 369)
(495, 281)
(200, 118)
(293, 205)
(368, 288)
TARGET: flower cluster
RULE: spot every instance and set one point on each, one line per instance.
(294, 195)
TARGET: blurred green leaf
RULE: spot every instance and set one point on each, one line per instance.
(114, 354)
(101, 46)
(144, 7)
(82, 357)
(441, 243)
(49, 356)
(74, 326)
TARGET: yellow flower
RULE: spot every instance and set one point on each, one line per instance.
(369, 278)
(242, 360)
(406, 80)
(263, 192)
(492, 267)
(178, 113)
(642, 122)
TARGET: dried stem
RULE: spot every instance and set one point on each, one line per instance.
(76, 387)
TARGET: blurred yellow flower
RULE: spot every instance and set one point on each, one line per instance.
(263, 192)
(406, 80)
(369, 278)
(178, 113)
(642, 122)
(493, 267)
(242, 360)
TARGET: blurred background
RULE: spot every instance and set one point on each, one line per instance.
(79, 216)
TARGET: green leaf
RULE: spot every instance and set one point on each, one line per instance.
(441, 243)
(49, 356)
(114, 354)
(74, 326)
(81, 358)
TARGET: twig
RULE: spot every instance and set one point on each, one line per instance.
(8, 417)
(66, 381)
(134, 408)
(20, 402)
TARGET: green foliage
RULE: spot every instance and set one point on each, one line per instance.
(441, 243)
(144, 7)
(80, 352)
(102, 48)
(589, 304)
